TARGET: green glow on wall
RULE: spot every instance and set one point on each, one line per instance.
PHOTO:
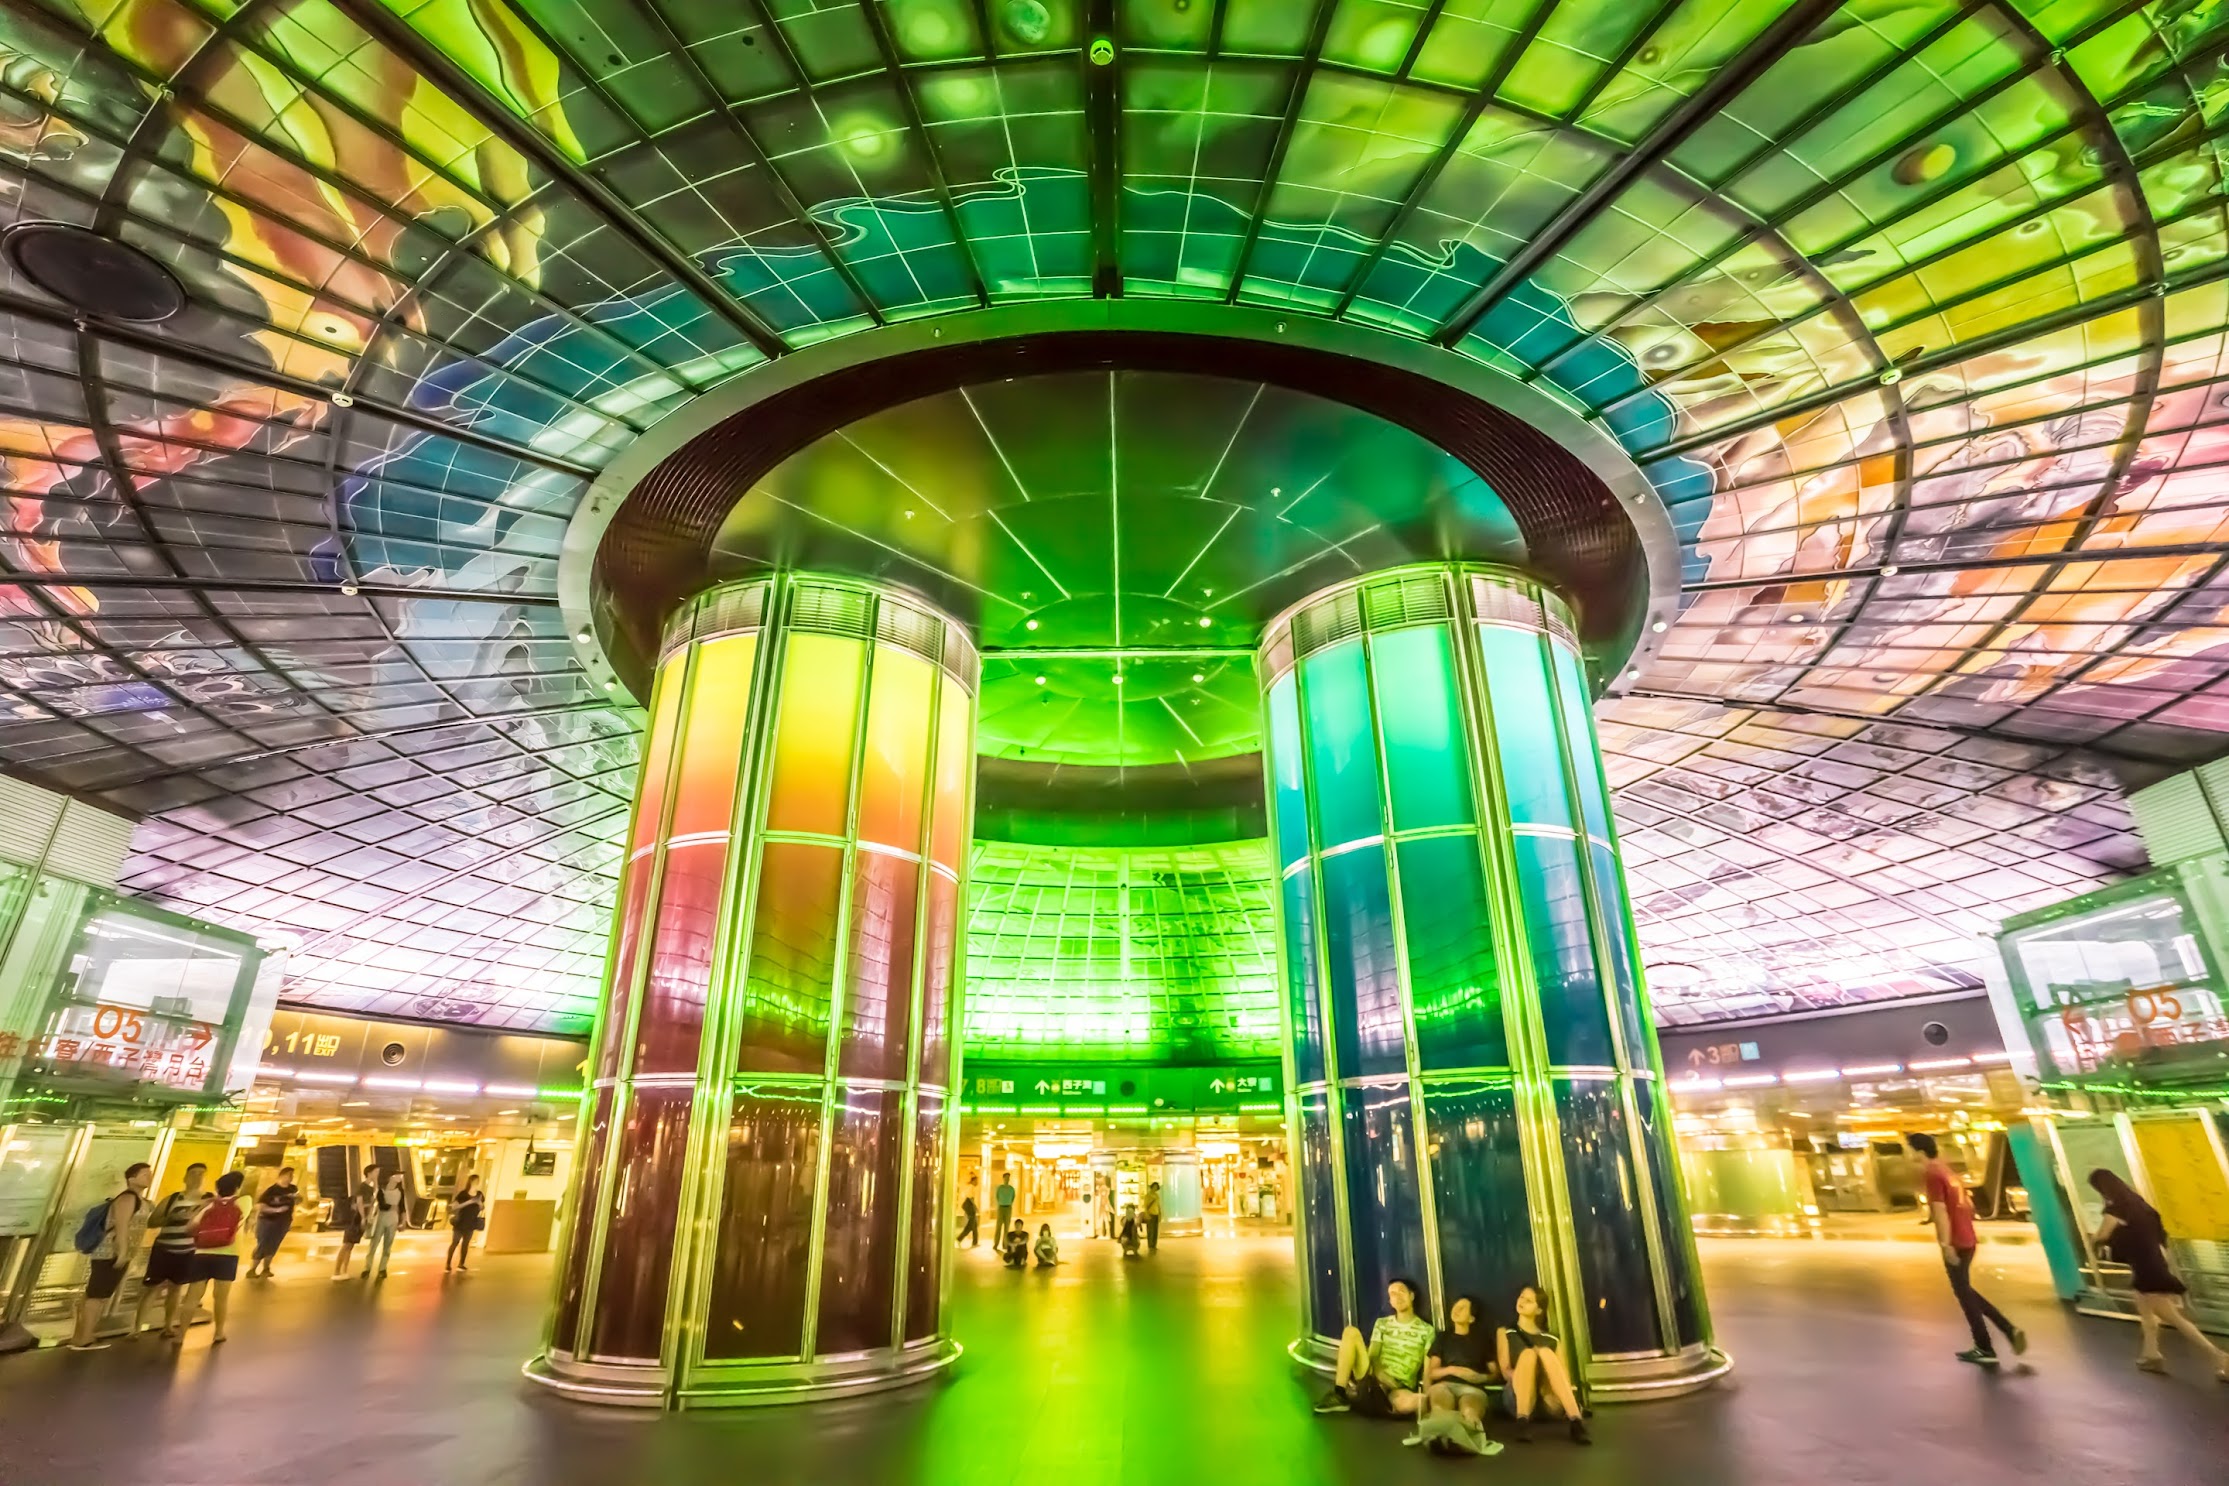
(1165, 956)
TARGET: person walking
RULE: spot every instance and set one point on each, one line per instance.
(1004, 1197)
(274, 1216)
(350, 1214)
(1952, 1211)
(122, 1219)
(216, 1256)
(1152, 1215)
(2134, 1235)
(170, 1262)
(386, 1219)
(971, 1221)
(464, 1221)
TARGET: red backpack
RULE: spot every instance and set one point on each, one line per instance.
(217, 1225)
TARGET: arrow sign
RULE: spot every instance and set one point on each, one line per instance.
(1043, 1087)
(1695, 1057)
(1215, 1084)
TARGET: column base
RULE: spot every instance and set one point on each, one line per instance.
(742, 1385)
(1626, 1380)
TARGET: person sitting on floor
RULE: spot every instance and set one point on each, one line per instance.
(1128, 1233)
(1014, 1248)
(1380, 1378)
(1535, 1371)
(1458, 1371)
(1048, 1247)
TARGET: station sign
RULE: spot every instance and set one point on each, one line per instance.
(1090, 1090)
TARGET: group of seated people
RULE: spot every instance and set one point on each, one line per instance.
(1015, 1248)
(1446, 1380)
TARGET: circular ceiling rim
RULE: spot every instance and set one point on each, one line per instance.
(1271, 330)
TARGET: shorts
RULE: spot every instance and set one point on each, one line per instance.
(224, 1268)
(169, 1267)
(1372, 1399)
(1462, 1390)
(104, 1278)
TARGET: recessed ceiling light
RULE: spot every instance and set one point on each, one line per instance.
(909, 513)
(1660, 626)
(1889, 571)
(1198, 676)
(1029, 624)
(1118, 678)
(1040, 681)
(1795, 619)
(1205, 621)
(583, 636)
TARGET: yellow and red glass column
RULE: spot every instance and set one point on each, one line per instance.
(761, 1193)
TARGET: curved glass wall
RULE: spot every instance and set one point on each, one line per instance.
(765, 1148)
(1477, 1092)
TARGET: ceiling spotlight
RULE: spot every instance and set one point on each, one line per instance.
(1118, 678)
(583, 636)
(1633, 675)
(1199, 676)
(909, 513)
(1889, 571)
(610, 685)
(1205, 621)
(1029, 624)
(1795, 619)
(349, 589)
(1040, 681)
(343, 400)
(1659, 627)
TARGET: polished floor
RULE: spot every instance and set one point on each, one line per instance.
(1168, 1371)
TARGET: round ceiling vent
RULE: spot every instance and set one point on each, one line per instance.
(97, 276)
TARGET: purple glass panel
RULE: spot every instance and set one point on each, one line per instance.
(878, 989)
(936, 982)
(925, 1244)
(859, 1248)
(759, 1272)
(564, 1330)
(672, 1020)
(634, 910)
(630, 1316)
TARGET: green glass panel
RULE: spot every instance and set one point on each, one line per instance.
(1578, 731)
(1288, 778)
(1524, 727)
(1305, 1006)
(1426, 760)
(1572, 1011)
(1342, 752)
(1365, 970)
(1454, 984)
(1609, 891)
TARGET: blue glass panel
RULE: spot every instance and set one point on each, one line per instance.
(1319, 1216)
(1427, 760)
(1454, 984)
(1572, 1011)
(1578, 730)
(1342, 749)
(1478, 1192)
(1289, 777)
(1364, 964)
(1302, 996)
(1525, 727)
(1663, 1156)
(1605, 1192)
(1625, 985)
(1385, 1221)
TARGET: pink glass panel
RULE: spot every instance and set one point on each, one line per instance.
(563, 1332)
(936, 981)
(696, 857)
(811, 788)
(630, 1314)
(859, 1245)
(895, 772)
(955, 771)
(925, 1241)
(763, 1260)
(878, 980)
(785, 1013)
(636, 872)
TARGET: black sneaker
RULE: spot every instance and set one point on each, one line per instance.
(1978, 1357)
(1334, 1402)
(1524, 1431)
(2019, 1342)
(1579, 1435)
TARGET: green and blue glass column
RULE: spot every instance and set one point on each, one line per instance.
(765, 1150)
(1478, 1100)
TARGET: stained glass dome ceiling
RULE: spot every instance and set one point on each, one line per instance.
(1911, 310)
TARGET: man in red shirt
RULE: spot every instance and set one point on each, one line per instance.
(1953, 1212)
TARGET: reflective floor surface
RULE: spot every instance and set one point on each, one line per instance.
(1168, 1371)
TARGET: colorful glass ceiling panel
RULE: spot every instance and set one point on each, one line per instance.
(1913, 310)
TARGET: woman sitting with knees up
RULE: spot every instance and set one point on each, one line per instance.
(1533, 1371)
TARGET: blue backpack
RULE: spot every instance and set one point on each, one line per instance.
(94, 1227)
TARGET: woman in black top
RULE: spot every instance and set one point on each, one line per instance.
(274, 1215)
(1537, 1376)
(1461, 1366)
(464, 1221)
(2133, 1234)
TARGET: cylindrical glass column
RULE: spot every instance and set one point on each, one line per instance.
(1478, 1100)
(764, 1152)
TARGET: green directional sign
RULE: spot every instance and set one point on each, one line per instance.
(1119, 1090)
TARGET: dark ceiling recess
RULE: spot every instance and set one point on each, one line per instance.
(99, 277)
(655, 552)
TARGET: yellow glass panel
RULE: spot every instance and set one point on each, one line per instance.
(895, 772)
(955, 770)
(712, 754)
(811, 790)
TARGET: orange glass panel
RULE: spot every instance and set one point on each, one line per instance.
(811, 789)
(896, 769)
(712, 755)
(955, 768)
(635, 873)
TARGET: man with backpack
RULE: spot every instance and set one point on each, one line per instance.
(216, 1254)
(170, 1262)
(109, 1236)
